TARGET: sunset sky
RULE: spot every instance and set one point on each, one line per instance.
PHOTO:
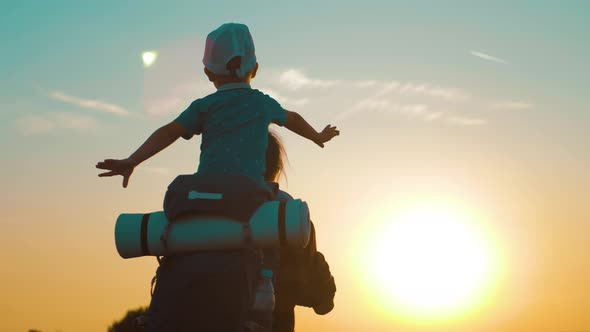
(456, 198)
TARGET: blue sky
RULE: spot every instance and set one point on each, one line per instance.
(80, 48)
(92, 52)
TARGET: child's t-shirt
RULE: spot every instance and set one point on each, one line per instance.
(234, 123)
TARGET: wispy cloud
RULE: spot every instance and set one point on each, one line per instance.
(488, 57)
(373, 104)
(511, 105)
(74, 121)
(465, 121)
(418, 100)
(365, 84)
(286, 101)
(424, 89)
(389, 106)
(93, 104)
(34, 125)
(295, 79)
(167, 105)
(30, 125)
(425, 101)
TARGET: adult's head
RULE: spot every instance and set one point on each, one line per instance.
(275, 158)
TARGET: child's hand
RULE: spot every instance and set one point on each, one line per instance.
(122, 167)
(327, 134)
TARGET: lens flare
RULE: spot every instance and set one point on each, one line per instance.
(149, 58)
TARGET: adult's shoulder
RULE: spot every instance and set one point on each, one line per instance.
(283, 196)
(280, 195)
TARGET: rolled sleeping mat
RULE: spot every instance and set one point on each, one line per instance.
(274, 224)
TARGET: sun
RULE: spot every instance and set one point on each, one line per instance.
(430, 261)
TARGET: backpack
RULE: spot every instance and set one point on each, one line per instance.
(235, 197)
(217, 298)
(232, 196)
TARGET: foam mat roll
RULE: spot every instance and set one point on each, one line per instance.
(139, 234)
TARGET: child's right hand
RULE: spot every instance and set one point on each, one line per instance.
(122, 167)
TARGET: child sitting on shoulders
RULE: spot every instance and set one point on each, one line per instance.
(233, 121)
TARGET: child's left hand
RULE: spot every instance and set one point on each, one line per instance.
(326, 135)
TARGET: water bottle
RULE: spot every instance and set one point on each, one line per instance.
(264, 301)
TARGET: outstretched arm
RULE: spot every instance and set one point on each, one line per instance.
(158, 141)
(297, 124)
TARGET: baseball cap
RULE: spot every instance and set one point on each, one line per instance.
(226, 42)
